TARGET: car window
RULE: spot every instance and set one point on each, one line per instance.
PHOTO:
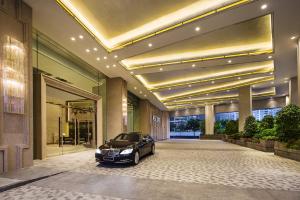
(131, 137)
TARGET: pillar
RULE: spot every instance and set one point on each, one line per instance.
(293, 91)
(209, 119)
(116, 92)
(245, 105)
(298, 75)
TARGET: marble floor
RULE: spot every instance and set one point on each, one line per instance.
(180, 169)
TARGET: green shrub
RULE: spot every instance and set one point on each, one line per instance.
(231, 127)
(251, 127)
(237, 135)
(219, 127)
(202, 127)
(294, 145)
(288, 123)
(267, 134)
(267, 122)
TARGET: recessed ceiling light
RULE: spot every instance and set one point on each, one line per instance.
(286, 81)
(145, 95)
(135, 88)
(169, 88)
(80, 36)
(193, 65)
(95, 49)
(190, 85)
(115, 56)
(197, 28)
(190, 97)
(206, 94)
(293, 37)
(150, 45)
(270, 57)
(264, 6)
(73, 38)
(114, 65)
(107, 66)
(213, 82)
(231, 101)
(141, 92)
(105, 57)
(228, 90)
(160, 69)
(272, 82)
(271, 73)
(229, 61)
(87, 50)
(131, 72)
(239, 78)
(98, 58)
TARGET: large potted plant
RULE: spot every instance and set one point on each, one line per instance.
(231, 128)
(287, 125)
(250, 129)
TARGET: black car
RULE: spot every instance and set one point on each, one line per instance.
(126, 148)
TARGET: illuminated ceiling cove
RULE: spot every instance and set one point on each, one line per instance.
(180, 54)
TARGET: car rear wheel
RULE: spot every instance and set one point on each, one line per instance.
(153, 149)
(136, 158)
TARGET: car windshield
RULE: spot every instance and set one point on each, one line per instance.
(130, 137)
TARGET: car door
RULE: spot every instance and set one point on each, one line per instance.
(148, 144)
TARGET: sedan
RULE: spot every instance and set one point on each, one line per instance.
(125, 148)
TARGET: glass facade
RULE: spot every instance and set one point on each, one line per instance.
(260, 114)
(178, 126)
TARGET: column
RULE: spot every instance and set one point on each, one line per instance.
(116, 107)
(298, 74)
(293, 91)
(209, 119)
(245, 105)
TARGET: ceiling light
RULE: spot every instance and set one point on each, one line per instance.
(114, 65)
(141, 92)
(213, 82)
(150, 45)
(190, 86)
(98, 58)
(160, 69)
(131, 72)
(145, 95)
(87, 50)
(206, 94)
(135, 88)
(270, 57)
(73, 38)
(293, 37)
(229, 61)
(263, 7)
(197, 28)
(115, 56)
(231, 101)
(107, 66)
(286, 81)
(271, 73)
(272, 82)
(105, 57)
(193, 65)
(169, 88)
(80, 36)
(239, 78)
(95, 49)
(228, 90)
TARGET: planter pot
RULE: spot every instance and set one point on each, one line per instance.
(280, 149)
(262, 145)
(242, 141)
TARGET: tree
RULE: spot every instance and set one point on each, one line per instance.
(267, 122)
(193, 124)
(250, 127)
(231, 127)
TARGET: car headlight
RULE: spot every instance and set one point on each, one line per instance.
(98, 151)
(126, 151)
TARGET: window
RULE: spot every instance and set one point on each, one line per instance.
(260, 114)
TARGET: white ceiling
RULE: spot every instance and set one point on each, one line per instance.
(52, 20)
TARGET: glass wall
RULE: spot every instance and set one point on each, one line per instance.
(182, 126)
(260, 114)
(132, 112)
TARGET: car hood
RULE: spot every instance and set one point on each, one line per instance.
(117, 145)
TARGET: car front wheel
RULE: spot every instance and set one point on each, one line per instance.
(136, 158)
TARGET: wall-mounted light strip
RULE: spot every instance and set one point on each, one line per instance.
(100, 39)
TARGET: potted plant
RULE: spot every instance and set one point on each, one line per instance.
(250, 129)
(287, 125)
(231, 128)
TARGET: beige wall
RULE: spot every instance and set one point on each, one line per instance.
(153, 121)
(116, 94)
(16, 129)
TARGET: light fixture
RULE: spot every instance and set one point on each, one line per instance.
(169, 88)
(213, 82)
(197, 28)
(105, 57)
(115, 56)
(95, 49)
(98, 58)
(114, 65)
(80, 36)
(135, 88)
(190, 85)
(131, 72)
(145, 95)
(206, 94)
(73, 38)
(228, 90)
(264, 6)
(270, 57)
(286, 81)
(293, 37)
(193, 65)
(87, 50)
(271, 73)
(107, 66)
(239, 78)
(272, 82)
(229, 61)
(141, 92)
(150, 45)
(160, 69)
